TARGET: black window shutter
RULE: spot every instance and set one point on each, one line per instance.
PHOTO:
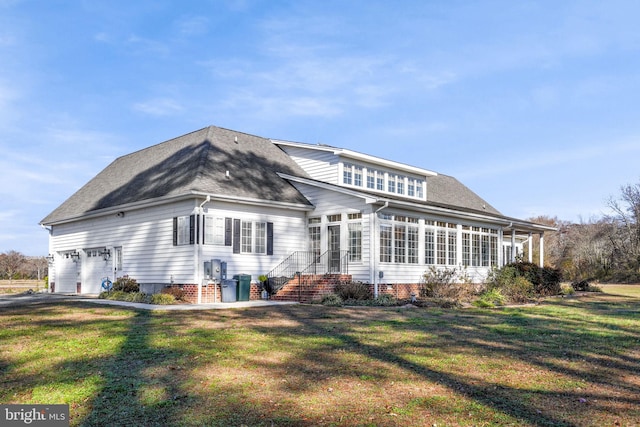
(204, 227)
(198, 229)
(192, 229)
(227, 231)
(175, 231)
(236, 236)
(269, 238)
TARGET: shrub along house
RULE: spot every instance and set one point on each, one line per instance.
(299, 213)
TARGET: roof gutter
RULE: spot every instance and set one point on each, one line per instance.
(171, 199)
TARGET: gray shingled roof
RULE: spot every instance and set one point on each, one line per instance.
(446, 191)
(196, 162)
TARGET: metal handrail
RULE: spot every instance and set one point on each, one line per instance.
(307, 263)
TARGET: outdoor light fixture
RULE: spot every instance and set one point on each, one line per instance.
(74, 255)
(50, 257)
(106, 254)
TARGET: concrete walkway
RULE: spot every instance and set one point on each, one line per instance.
(9, 300)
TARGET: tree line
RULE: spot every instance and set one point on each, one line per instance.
(605, 248)
(16, 266)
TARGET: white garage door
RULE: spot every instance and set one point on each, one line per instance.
(94, 269)
(66, 275)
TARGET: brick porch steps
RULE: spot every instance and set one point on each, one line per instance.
(308, 288)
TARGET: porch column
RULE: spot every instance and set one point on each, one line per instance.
(542, 249)
(530, 247)
(513, 245)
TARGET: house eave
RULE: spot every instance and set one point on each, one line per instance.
(343, 152)
(505, 222)
(170, 199)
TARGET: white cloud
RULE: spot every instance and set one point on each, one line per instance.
(159, 107)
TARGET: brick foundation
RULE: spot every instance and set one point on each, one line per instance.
(212, 293)
(307, 289)
(312, 288)
(398, 290)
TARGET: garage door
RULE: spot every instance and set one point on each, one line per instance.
(94, 269)
(66, 275)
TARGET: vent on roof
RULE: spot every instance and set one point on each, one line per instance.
(235, 139)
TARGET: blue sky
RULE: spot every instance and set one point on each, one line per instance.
(533, 105)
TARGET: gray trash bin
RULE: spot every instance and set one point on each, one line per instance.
(229, 287)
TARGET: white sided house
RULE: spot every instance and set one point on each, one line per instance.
(214, 204)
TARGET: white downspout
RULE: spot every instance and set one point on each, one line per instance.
(200, 277)
(376, 238)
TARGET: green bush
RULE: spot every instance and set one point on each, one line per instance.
(126, 284)
(566, 290)
(550, 284)
(352, 291)
(490, 298)
(385, 300)
(115, 295)
(332, 300)
(445, 284)
(177, 293)
(520, 290)
(136, 297)
(162, 299)
(521, 281)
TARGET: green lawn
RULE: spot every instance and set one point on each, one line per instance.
(568, 362)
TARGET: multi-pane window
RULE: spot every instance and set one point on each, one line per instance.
(386, 239)
(441, 246)
(475, 249)
(355, 236)
(334, 218)
(246, 235)
(452, 244)
(357, 176)
(400, 242)
(355, 241)
(314, 235)
(379, 181)
(213, 230)
(466, 247)
(412, 245)
(261, 237)
(400, 185)
(411, 187)
(391, 183)
(429, 244)
(479, 246)
(347, 173)
(419, 189)
(494, 247)
(183, 230)
(371, 178)
(253, 237)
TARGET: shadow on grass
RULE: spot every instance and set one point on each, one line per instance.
(202, 368)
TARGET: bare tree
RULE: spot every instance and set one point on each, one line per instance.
(38, 267)
(625, 228)
(12, 262)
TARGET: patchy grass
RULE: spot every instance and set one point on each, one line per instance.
(567, 362)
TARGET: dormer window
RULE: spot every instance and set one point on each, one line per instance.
(383, 181)
(347, 173)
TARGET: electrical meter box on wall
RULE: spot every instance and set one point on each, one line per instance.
(218, 270)
(207, 269)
